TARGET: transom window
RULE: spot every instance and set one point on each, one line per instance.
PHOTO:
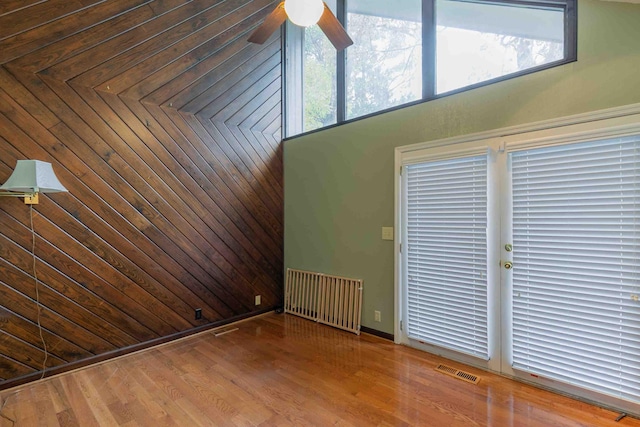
(408, 51)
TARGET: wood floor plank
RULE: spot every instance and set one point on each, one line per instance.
(77, 401)
(279, 370)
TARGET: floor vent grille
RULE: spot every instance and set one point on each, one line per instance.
(456, 373)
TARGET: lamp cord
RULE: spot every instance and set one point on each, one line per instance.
(3, 403)
(37, 282)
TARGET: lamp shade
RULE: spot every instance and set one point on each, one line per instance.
(33, 176)
(304, 12)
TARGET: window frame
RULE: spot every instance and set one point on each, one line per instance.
(293, 74)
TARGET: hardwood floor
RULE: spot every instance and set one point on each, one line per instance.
(279, 370)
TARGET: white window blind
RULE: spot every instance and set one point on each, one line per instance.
(446, 211)
(576, 276)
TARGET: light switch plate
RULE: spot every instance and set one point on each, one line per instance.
(387, 233)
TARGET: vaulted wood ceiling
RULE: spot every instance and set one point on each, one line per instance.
(165, 125)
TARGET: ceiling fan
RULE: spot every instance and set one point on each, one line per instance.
(304, 13)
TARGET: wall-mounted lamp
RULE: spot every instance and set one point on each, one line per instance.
(29, 178)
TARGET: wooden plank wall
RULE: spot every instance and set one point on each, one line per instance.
(165, 125)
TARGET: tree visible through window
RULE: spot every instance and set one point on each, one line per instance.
(384, 66)
(320, 91)
(473, 42)
(476, 42)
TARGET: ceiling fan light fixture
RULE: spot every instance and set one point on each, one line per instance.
(304, 12)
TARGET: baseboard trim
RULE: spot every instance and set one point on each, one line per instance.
(377, 333)
(126, 351)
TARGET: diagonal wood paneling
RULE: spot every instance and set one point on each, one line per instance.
(165, 125)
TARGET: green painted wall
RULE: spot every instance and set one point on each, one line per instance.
(339, 182)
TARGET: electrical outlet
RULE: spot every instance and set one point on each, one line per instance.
(198, 313)
(377, 316)
(258, 300)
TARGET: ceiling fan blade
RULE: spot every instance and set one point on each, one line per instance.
(272, 23)
(334, 30)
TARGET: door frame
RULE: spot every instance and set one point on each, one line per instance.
(491, 148)
(583, 127)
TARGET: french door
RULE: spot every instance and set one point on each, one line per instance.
(521, 255)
